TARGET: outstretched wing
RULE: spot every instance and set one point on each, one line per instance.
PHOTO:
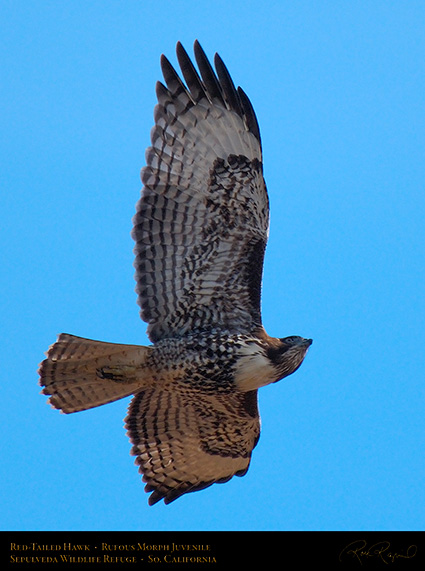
(202, 221)
(185, 440)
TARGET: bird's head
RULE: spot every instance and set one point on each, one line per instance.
(288, 353)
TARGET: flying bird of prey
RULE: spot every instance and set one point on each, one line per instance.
(200, 232)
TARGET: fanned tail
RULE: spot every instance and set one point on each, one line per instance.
(79, 373)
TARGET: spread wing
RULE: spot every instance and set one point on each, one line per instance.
(185, 440)
(201, 224)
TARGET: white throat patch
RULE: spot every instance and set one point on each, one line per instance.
(254, 369)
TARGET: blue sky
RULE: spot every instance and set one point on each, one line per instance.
(338, 88)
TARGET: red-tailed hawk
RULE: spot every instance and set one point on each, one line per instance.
(200, 229)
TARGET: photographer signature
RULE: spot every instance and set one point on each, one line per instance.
(382, 550)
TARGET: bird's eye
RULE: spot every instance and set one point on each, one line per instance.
(289, 340)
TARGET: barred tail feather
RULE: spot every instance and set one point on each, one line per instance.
(79, 373)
